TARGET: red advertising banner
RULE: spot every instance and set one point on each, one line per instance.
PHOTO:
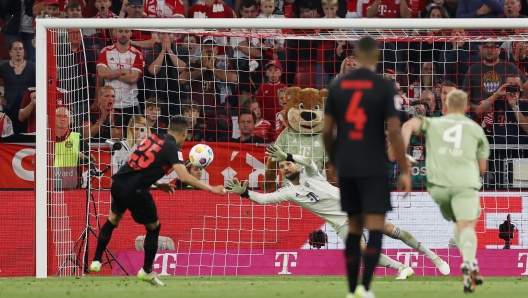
(231, 159)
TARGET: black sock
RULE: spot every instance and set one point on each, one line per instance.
(151, 247)
(353, 260)
(371, 256)
(105, 233)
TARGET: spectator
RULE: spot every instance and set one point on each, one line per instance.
(455, 58)
(484, 78)
(105, 121)
(273, 47)
(388, 73)
(91, 40)
(51, 9)
(512, 8)
(18, 25)
(247, 53)
(403, 100)
(263, 128)
(210, 9)
(194, 171)
(510, 121)
(144, 40)
(301, 54)
(450, 10)
(197, 128)
(480, 8)
(164, 67)
(267, 93)
(334, 58)
(433, 104)
(189, 43)
(18, 74)
(104, 12)
(246, 123)
(136, 132)
(165, 9)
(152, 114)
(27, 107)
(6, 126)
(280, 124)
(515, 51)
(387, 9)
(349, 64)
(207, 78)
(427, 80)
(120, 66)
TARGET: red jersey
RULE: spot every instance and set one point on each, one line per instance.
(216, 11)
(268, 100)
(32, 126)
(262, 129)
(387, 8)
(164, 9)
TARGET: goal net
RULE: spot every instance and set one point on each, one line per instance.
(244, 85)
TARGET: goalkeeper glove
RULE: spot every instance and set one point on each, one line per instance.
(234, 186)
(276, 154)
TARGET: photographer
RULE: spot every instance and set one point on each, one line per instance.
(506, 232)
(137, 131)
(103, 119)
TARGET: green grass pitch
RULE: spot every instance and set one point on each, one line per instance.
(255, 287)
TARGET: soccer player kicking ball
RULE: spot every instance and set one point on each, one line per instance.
(131, 190)
(310, 190)
(457, 152)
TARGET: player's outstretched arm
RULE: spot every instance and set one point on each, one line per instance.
(277, 155)
(409, 128)
(396, 139)
(234, 186)
(187, 178)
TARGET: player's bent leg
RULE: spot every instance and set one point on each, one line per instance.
(151, 247)
(105, 234)
(374, 223)
(407, 238)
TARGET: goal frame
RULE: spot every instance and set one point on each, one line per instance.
(42, 25)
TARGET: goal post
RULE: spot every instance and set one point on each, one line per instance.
(219, 223)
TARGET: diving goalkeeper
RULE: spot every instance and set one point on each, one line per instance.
(310, 190)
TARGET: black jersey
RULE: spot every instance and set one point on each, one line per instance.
(360, 102)
(152, 159)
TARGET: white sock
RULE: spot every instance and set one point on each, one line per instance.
(412, 242)
(385, 261)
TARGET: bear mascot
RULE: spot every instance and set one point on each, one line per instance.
(303, 115)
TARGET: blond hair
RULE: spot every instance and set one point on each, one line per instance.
(457, 100)
(131, 136)
(345, 62)
(106, 87)
(263, 1)
(329, 2)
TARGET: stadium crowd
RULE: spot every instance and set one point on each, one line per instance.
(233, 89)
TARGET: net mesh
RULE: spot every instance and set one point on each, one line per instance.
(212, 77)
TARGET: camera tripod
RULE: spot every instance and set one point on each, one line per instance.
(76, 255)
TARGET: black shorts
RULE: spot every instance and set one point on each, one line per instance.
(365, 195)
(138, 201)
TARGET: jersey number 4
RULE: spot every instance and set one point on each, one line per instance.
(144, 154)
(356, 115)
(453, 135)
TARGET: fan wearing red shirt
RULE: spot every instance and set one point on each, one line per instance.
(267, 92)
(27, 107)
(104, 12)
(387, 9)
(263, 127)
(164, 9)
(142, 40)
(215, 9)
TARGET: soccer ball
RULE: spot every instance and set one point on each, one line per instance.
(201, 155)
